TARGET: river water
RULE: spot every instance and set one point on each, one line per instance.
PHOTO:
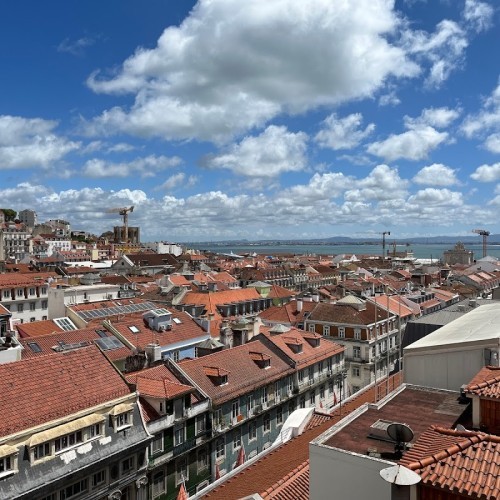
(420, 251)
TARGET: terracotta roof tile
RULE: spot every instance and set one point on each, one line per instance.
(461, 462)
(486, 383)
(42, 389)
(38, 328)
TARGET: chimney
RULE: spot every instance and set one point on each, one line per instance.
(299, 304)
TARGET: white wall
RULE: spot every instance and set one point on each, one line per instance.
(345, 475)
(443, 369)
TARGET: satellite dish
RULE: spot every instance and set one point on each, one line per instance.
(397, 474)
(460, 427)
(400, 434)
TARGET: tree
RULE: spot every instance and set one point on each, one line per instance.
(9, 213)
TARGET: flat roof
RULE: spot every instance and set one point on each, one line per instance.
(417, 407)
(479, 325)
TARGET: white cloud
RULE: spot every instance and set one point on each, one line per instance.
(415, 144)
(177, 180)
(492, 143)
(389, 99)
(76, 47)
(231, 66)
(486, 121)
(479, 15)
(145, 167)
(437, 197)
(487, 173)
(434, 117)
(436, 174)
(343, 133)
(274, 151)
(30, 142)
(444, 49)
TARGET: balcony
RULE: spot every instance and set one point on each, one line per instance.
(197, 409)
(183, 447)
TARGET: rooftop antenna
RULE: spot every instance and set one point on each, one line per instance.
(401, 434)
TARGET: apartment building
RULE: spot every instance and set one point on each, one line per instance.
(70, 428)
(15, 241)
(369, 334)
(26, 295)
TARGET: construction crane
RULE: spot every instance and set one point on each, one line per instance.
(388, 233)
(484, 234)
(123, 211)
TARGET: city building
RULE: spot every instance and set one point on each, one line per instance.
(70, 427)
(28, 218)
(458, 255)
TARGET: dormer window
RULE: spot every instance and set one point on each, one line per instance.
(294, 343)
(122, 416)
(8, 460)
(262, 360)
(217, 375)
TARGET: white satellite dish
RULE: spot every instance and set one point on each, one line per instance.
(397, 474)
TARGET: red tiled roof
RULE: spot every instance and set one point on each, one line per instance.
(294, 486)
(158, 382)
(38, 328)
(10, 280)
(243, 374)
(460, 462)
(36, 391)
(486, 383)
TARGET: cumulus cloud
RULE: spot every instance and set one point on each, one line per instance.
(415, 144)
(487, 173)
(437, 197)
(436, 174)
(231, 66)
(478, 15)
(343, 133)
(486, 123)
(444, 49)
(31, 142)
(145, 167)
(177, 180)
(274, 151)
(421, 138)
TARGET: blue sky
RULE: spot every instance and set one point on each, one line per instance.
(223, 119)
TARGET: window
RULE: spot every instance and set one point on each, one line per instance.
(289, 384)
(68, 441)
(236, 438)
(312, 398)
(42, 450)
(20, 292)
(218, 417)
(74, 489)
(99, 478)
(32, 306)
(357, 334)
(341, 332)
(181, 471)
(356, 351)
(6, 294)
(175, 355)
(252, 430)
(326, 330)
(32, 320)
(202, 459)
(355, 371)
(301, 376)
(330, 387)
(311, 372)
(267, 422)
(8, 464)
(128, 465)
(32, 291)
(44, 304)
(158, 483)
(157, 444)
(235, 410)
(220, 448)
(322, 392)
(20, 308)
(178, 436)
(201, 424)
(302, 401)
(311, 328)
(265, 395)
(122, 420)
(279, 415)
(43, 290)
(44, 318)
